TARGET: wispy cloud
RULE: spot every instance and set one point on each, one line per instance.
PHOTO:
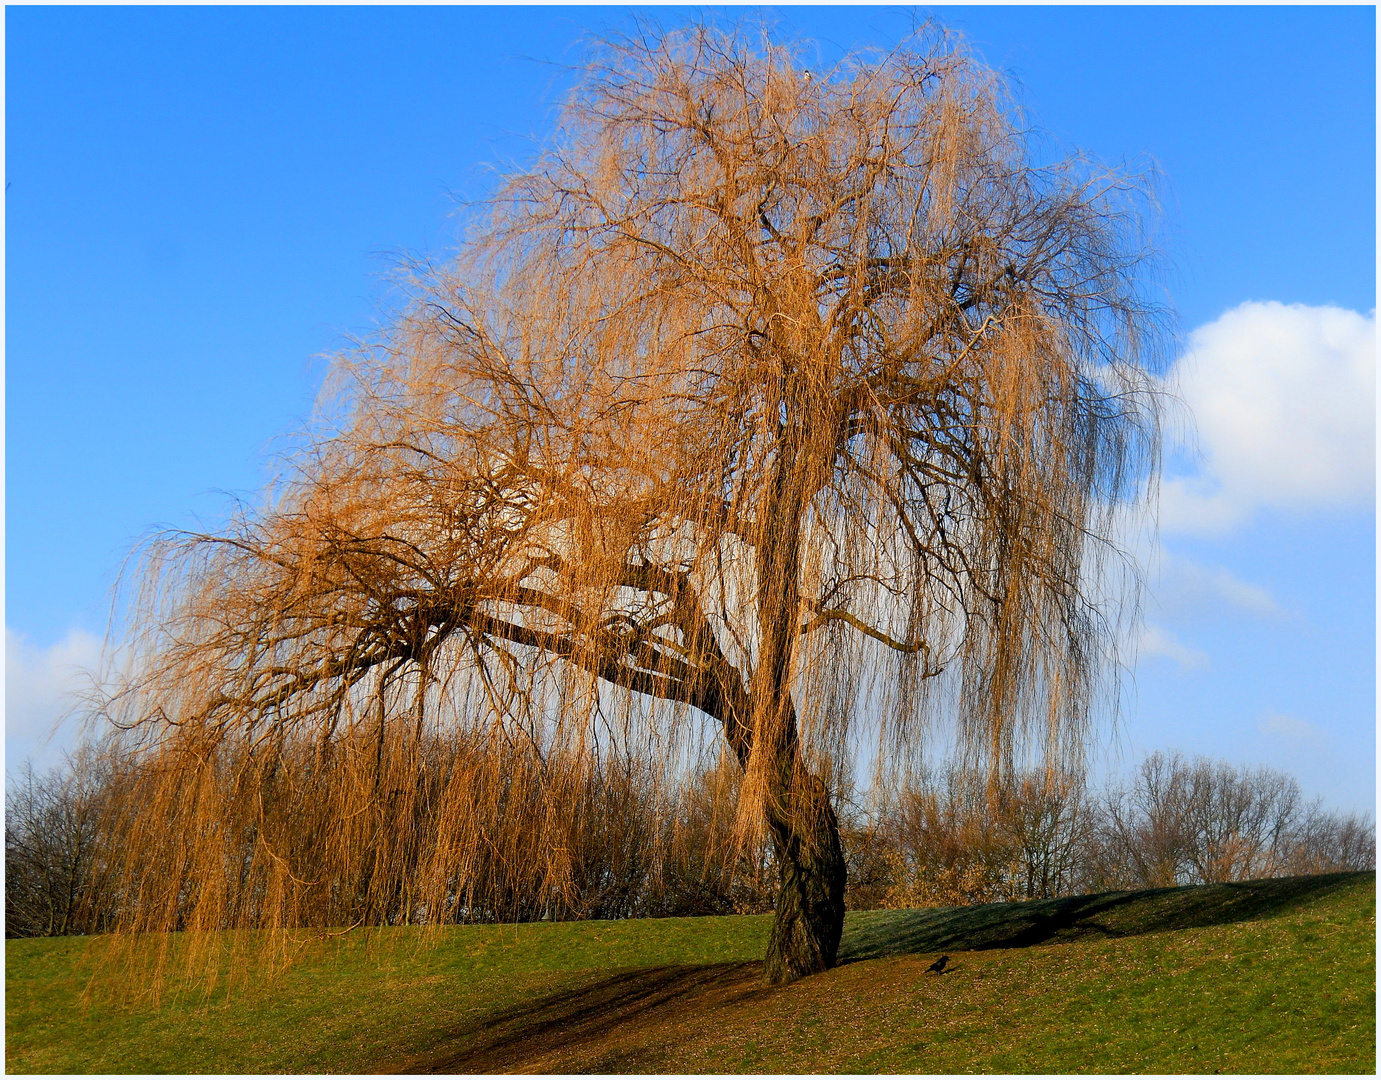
(1184, 587)
(1282, 401)
(1292, 729)
(1158, 642)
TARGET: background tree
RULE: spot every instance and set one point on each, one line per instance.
(777, 406)
(1181, 821)
(54, 859)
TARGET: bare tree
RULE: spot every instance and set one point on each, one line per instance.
(771, 405)
(1242, 820)
(1146, 837)
(1327, 843)
(1048, 818)
(54, 861)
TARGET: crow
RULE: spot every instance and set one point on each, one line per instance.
(939, 966)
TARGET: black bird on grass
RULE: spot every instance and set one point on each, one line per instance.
(939, 966)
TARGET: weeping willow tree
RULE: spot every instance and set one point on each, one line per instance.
(779, 410)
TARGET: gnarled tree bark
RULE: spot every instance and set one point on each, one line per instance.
(809, 917)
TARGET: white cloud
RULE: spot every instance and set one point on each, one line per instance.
(1292, 729)
(1156, 641)
(1283, 399)
(40, 684)
(1185, 587)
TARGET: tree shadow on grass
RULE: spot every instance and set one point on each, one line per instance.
(594, 1026)
(871, 935)
(512, 1040)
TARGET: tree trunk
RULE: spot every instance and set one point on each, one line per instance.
(805, 833)
(810, 899)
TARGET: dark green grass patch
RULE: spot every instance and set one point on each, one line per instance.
(1261, 977)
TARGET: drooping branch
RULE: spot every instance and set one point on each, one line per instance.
(757, 372)
(828, 615)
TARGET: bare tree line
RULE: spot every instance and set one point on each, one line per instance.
(942, 839)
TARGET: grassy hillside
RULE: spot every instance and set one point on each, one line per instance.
(1275, 976)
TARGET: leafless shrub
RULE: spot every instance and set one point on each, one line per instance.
(705, 865)
(625, 853)
(954, 837)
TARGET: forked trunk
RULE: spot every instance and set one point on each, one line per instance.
(810, 899)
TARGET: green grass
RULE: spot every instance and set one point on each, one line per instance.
(347, 1005)
(1263, 977)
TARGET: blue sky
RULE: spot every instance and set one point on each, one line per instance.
(202, 202)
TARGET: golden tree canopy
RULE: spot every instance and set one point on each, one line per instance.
(770, 402)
